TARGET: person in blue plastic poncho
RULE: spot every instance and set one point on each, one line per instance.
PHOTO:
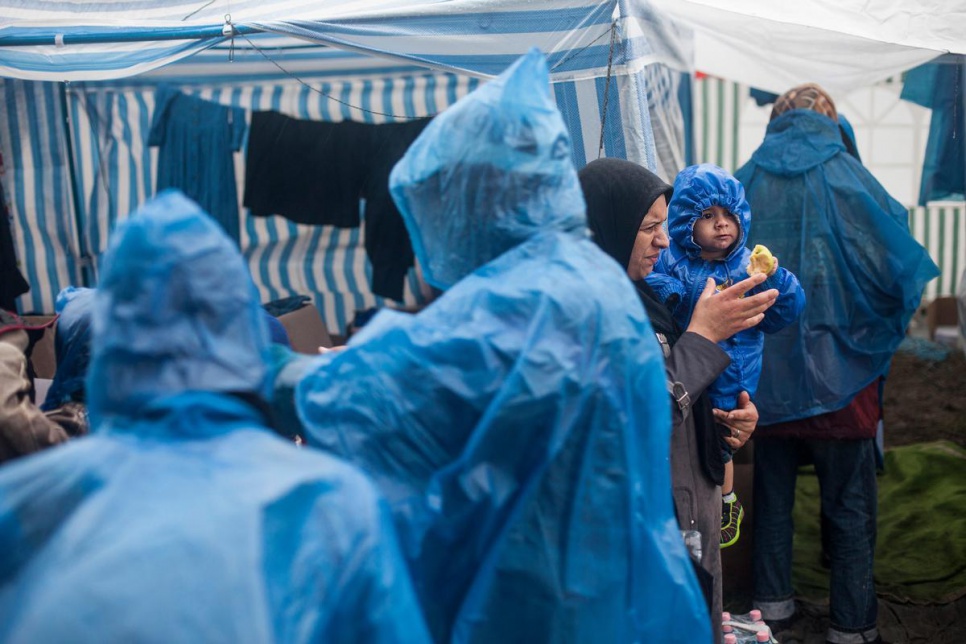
(709, 223)
(65, 403)
(182, 518)
(519, 425)
(848, 242)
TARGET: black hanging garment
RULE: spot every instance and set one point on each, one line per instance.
(12, 282)
(316, 173)
(310, 172)
(387, 241)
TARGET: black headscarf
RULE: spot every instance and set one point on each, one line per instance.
(618, 195)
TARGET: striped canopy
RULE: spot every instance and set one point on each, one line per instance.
(73, 40)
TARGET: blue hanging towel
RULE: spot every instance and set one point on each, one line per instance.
(196, 139)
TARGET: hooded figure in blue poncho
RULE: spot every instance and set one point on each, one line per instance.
(183, 518)
(519, 425)
(848, 242)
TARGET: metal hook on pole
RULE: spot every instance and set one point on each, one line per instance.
(228, 31)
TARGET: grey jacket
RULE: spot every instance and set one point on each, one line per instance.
(693, 363)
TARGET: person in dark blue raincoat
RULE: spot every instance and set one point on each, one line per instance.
(848, 241)
(182, 518)
(519, 425)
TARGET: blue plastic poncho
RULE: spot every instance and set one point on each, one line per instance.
(519, 425)
(72, 346)
(183, 518)
(833, 225)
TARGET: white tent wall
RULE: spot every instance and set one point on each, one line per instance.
(115, 170)
(891, 135)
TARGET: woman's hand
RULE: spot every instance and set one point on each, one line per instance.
(742, 421)
(718, 316)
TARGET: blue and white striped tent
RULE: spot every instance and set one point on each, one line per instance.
(77, 97)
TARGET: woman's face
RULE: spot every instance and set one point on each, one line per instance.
(651, 239)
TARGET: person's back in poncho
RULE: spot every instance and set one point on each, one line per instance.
(519, 425)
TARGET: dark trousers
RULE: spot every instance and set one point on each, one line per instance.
(846, 476)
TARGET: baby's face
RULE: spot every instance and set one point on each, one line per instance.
(715, 231)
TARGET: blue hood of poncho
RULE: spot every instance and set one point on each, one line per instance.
(487, 174)
(72, 346)
(176, 311)
(697, 188)
(797, 142)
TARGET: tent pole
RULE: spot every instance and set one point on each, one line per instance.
(84, 259)
(104, 35)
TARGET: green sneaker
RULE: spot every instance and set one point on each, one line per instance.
(731, 515)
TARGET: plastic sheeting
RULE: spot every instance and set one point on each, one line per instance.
(941, 86)
(848, 242)
(840, 45)
(57, 41)
(183, 518)
(72, 346)
(519, 425)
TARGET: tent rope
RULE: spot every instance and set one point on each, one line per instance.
(320, 92)
(610, 67)
(207, 4)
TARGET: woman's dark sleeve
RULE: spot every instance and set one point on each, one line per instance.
(694, 364)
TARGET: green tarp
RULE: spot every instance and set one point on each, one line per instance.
(921, 546)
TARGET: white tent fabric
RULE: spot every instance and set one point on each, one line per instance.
(841, 45)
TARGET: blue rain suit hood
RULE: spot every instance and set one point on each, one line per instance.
(697, 188)
(831, 223)
(680, 270)
(519, 425)
(72, 346)
(183, 518)
(510, 135)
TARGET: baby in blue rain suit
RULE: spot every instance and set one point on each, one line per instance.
(709, 221)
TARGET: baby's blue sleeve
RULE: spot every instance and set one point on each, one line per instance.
(790, 302)
(672, 292)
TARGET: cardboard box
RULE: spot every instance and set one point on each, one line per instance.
(306, 331)
(43, 357)
(941, 312)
